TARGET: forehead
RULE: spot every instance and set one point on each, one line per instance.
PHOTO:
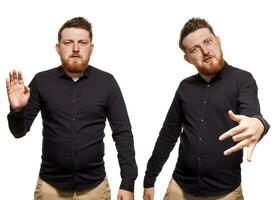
(75, 34)
(196, 37)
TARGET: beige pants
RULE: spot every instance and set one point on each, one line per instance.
(174, 192)
(44, 191)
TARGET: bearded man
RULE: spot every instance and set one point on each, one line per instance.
(75, 99)
(215, 113)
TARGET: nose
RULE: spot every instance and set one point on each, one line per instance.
(75, 47)
(204, 50)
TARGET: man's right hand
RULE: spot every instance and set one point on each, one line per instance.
(148, 193)
(18, 93)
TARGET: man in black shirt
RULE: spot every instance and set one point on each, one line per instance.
(74, 99)
(214, 112)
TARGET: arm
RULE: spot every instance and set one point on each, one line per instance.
(23, 109)
(251, 125)
(122, 136)
(166, 141)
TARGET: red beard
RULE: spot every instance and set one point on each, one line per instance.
(211, 66)
(75, 64)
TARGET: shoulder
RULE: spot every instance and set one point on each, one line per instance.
(100, 74)
(102, 78)
(239, 74)
(237, 71)
(47, 73)
(189, 81)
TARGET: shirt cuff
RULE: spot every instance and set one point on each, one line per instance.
(17, 114)
(149, 182)
(127, 185)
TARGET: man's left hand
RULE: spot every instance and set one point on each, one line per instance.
(247, 133)
(125, 195)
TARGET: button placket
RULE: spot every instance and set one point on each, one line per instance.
(74, 117)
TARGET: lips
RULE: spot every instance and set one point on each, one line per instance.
(75, 56)
(207, 59)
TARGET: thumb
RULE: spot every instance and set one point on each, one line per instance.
(250, 150)
(234, 117)
(26, 89)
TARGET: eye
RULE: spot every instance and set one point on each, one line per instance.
(83, 43)
(194, 49)
(67, 43)
(208, 41)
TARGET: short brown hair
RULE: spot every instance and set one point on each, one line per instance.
(77, 22)
(192, 25)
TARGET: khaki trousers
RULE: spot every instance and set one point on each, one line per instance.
(44, 191)
(174, 192)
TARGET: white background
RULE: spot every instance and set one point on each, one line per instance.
(137, 41)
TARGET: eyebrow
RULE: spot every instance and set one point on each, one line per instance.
(195, 46)
(71, 40)
(209, 37)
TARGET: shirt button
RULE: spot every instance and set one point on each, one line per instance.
(208, 85)
(205, 102)
(200, 139)
(73, 101)
(202, 120)
(73, 119)
(199, 158)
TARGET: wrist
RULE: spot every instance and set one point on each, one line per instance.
(264, 126)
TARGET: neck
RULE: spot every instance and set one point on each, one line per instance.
(205, 77)
(74, 75)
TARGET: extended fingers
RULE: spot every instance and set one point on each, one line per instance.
(20, 78)
(233, 116)
(7, 83)
(236, 148)
(244, 135)
(250, 152)
(15, 77)
(11, 77)
(232, 132)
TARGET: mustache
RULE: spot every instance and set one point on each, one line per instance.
(207, 58)
(75, 55)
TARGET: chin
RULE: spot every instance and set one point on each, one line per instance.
(212, 68)
(75, 67)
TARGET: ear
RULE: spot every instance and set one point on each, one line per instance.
(92, 49)
(58, 49)
(186, 58)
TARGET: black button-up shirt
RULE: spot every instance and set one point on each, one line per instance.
(73, 116)
(199, 115)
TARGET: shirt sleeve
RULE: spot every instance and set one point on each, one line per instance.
(248, 100)
(165, 143)
(122, 136)
(20, 122)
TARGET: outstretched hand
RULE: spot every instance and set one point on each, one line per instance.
(247, 133)
(18, 93)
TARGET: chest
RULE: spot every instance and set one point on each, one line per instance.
(210, 97)
(68, 97)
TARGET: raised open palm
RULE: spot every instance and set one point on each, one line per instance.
(18, 93)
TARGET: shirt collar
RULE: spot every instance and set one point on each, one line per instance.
(223, 71)
(62, 73)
